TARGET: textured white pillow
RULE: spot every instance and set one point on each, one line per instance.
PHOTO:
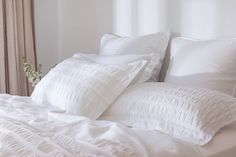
(148, 72)
(146, 44)
(188, 113)
(85, 88)
(208, 64)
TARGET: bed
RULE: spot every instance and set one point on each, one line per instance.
(27, 128)
(85, 105)
(223, 143)
(112, 105)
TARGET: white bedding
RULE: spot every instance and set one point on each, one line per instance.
(223, 144)
(30, 130)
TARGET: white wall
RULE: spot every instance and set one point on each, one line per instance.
(203, 19)
(67, 26)
(46, 24)
(81, 24)
(206, 19)
(64, 27)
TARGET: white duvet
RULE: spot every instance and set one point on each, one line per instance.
(29, 130)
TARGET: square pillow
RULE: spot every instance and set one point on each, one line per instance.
(146, 44)
(148, 72)
(208, 64)
(187, 113)
(85, 88)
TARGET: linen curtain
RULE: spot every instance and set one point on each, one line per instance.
(16, 41)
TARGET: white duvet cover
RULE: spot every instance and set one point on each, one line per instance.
(29, 130)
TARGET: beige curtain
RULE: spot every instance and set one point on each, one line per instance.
(16, 41)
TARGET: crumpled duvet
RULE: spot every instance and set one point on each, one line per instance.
(27, 129)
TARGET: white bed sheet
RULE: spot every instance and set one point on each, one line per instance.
(223, 144)
(29, 130)
(142, 142)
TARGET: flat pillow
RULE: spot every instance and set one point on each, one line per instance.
(208, 64)
(188, 113)
(148, 72)
(85, 88)
(154, 43)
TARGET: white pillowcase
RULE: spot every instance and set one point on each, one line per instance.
(146, 44)
(148, 72)
(208, 64)
(188, 113)
(85, 88)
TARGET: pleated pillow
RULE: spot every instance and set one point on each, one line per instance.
(188, 113)
(85, 88)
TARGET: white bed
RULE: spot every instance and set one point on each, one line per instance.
(223, 144)
(27, 128)
(79, 91)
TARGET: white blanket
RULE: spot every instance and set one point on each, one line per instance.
(29, 130)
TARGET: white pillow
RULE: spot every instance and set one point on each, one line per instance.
(208, 64)
(154, 43)
(188, 113)
(148, 72)
(85, 88)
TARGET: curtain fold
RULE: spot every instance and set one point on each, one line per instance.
(16, 41)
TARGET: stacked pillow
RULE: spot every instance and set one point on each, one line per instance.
(184, 110)
(111, 85)
(87, 85)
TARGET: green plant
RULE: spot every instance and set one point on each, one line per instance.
(33, 76)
